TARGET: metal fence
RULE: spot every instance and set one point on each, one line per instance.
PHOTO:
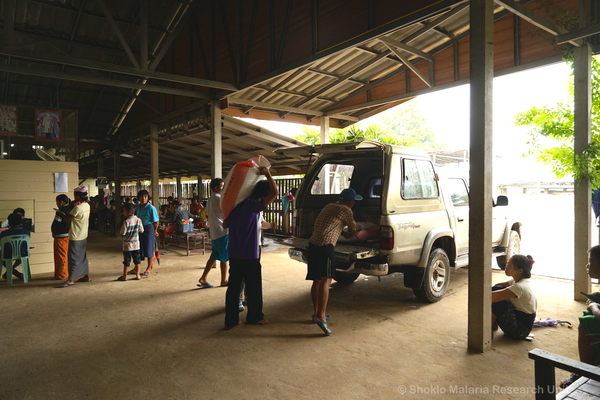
(275, 212)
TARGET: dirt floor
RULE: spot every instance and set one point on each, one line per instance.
(162, 338)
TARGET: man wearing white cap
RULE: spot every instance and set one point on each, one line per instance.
(79, 218)
(321, 251)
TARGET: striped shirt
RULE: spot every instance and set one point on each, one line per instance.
(130, 230)
(330, 223)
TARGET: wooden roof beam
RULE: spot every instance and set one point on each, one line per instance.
(534, 19)
(578, 34)
(408, 63)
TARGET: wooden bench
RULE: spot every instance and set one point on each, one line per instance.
(545, 363)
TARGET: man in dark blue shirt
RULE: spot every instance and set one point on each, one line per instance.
(244, 254)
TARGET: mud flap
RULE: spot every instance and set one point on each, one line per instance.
(413, 277)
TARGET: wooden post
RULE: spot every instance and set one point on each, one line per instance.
(216, 140)
(480, 215)
(324, 129)
(100, 203)
(117, 221)
(583, 192)
(154, 189)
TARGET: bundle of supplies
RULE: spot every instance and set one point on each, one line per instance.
(240, 182)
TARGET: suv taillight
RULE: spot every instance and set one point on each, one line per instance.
(387, 238)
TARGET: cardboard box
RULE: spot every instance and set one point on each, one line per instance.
(186, 228)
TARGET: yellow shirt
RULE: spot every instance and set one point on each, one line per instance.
(80, 223)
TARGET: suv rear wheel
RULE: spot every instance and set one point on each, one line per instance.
(436, 279)
(514, 247)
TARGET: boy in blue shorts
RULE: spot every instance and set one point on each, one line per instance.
(219, 236)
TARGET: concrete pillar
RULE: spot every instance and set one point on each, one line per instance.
(199, 187)
(583, 191)
(216, 139)
(154, 190)
(480, 216)
(118, 208)
(324, 130)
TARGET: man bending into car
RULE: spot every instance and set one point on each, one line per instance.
(321, 252)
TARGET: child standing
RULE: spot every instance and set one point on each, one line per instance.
(130, 230)
(60, 233)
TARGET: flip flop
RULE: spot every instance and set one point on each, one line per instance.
(83, 280)
(327, 317)
(120, 279)
(146, 273)
(136, 279)
(64, 285)
(204, 285)
(323, 326)
(131, 273)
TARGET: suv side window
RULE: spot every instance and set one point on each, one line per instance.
(458, 192)
(332, 179)
(418, 180)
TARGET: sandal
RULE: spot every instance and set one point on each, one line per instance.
(147, 273)
(570, 380)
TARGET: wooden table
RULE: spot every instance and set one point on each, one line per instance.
(188, 236)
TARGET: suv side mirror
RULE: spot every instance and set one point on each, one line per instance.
(502, 201)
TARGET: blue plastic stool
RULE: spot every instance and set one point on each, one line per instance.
(15, 242)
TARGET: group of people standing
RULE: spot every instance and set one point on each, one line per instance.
(70, 232)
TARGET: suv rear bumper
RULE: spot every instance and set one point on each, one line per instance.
(366, 267)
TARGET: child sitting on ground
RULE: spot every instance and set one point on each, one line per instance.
(130, 230)
(513, 303)
(588, 340)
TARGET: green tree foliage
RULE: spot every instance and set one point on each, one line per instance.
(408, 122)
(558, 123)
(309, 135)
(404, 126)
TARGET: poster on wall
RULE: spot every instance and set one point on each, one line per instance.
(8, 120)
(47, 124)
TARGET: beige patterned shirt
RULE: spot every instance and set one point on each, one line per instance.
(330, 222)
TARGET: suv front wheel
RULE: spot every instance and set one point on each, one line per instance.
(436, 279)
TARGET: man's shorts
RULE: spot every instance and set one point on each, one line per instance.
(219, 249)
(591, 328)
(321, 262)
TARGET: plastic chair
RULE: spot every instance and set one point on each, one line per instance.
(15, 242)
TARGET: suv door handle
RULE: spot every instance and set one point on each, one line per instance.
(460, 219)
